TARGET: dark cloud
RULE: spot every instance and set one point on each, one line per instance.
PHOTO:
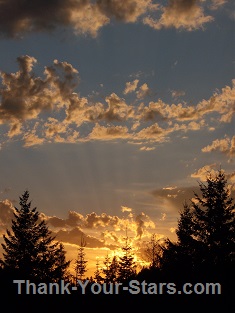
(176, 196)
(24, 96)
(20, 16)
(140, 225)
(90, 220)
(179, 196)
(74, 236)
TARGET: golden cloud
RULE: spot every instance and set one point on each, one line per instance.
(70, 118)
(185, 14)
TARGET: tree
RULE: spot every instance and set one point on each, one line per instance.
(214, 220)
(205, 232)
(127, 265)
(97, 274)
(153, 252)
(30, 250)
(110, 270)
(80, 263)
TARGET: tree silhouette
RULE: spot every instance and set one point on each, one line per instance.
(110, 270)
(206, 232)
(127, 265)
(153, 252)
(80, 263)
(97, 274)
(30, 250)
(214, 220)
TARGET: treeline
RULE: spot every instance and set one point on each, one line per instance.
(203, 252)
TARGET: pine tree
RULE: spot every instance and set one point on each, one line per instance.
(97, 275)
(127, 265)
(80, 263)
(214, 220)
(205, 232)
(110, 270)
(30, 250)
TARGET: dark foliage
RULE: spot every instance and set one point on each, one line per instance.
(30, 252)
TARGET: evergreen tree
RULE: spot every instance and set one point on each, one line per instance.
(30, 250)
(110, 270)
(127, 265)
(206, 231)
(97, 275)
(80, 263)
(214, 220)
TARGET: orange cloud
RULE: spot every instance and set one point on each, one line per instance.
(143, 91)
(126, 209)
(225, 145)
(6, 214)
(124, 10)
(109, 133)
(180, 14)
(131, 86)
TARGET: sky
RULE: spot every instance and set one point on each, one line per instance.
(112, 112)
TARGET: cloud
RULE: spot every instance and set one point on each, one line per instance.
(88, 17)
(143, 91)
(144, 148)
(109, 235)
(20, 17)
(163, 216)
(217, 4)
(109, 133)
(54, 127)
(212, 169)
(15, 129)
(124, 10)
(202, 173)
(6, 214)
(91, 220)
(221, 102)
(84, 17)
(174, 198)
(117, 109)
(169, 188)
(177, 93)
(31, 138)
(24, 96)
(47, 109)
(153, 132)
(88, 20)
(180, 14)
(74, 236)
(225, 145)
(131, 86)
(140, 225)
(126, 209)
(104, 226)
